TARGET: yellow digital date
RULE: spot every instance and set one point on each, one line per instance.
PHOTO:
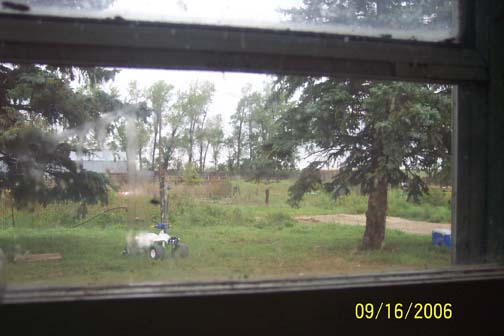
(400, 311)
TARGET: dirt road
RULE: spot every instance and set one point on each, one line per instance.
(394, 223)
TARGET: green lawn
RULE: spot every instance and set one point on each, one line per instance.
(93, 256)
(229, 238)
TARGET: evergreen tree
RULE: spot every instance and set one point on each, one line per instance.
(394, 15)
(382, 133)
(40, 115)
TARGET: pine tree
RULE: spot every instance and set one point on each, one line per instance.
(381, 133)
(37, 104)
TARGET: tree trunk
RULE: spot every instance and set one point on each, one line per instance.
(190, 150)
(266, 197)
(140, 158)
(376, 214)
(163, 166)
(202, 142)
(201, 157)
(13, 219)
(191, 141)
(215, 156)
(238, 150)
(162, 194)
(154, 148)
(251, 147)
(204, 157)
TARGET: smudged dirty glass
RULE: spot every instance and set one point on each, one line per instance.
(113, 176)
(423, 20)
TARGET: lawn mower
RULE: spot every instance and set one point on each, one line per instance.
(155, 244)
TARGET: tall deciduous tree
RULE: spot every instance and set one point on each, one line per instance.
(264, 165)
(158, 96)
(171, 141)
(193, 104)
(215, 137)
(243, 124)
(212, 135)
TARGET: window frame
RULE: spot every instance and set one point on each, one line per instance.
(468, 64)
(60, 40)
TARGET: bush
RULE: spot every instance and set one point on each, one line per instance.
(190, 174)
(436, 197)
(440, 215)
(433, 207)
(353, 203)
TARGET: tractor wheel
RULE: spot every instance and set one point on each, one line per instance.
(181, 250)
(157, 252)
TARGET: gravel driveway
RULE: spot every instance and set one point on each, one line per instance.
(394, 223)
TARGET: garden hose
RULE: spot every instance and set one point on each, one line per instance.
(97, 215)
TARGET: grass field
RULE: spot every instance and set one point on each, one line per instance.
(229, 238)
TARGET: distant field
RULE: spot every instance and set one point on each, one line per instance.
(230, 237)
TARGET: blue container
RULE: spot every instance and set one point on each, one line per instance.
(161, 226)
(441, 237)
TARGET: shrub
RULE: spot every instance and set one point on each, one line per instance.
(436, 197)
(353, 203)
(190, 174)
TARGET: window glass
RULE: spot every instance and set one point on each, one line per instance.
(424, 20)
(120, 175)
